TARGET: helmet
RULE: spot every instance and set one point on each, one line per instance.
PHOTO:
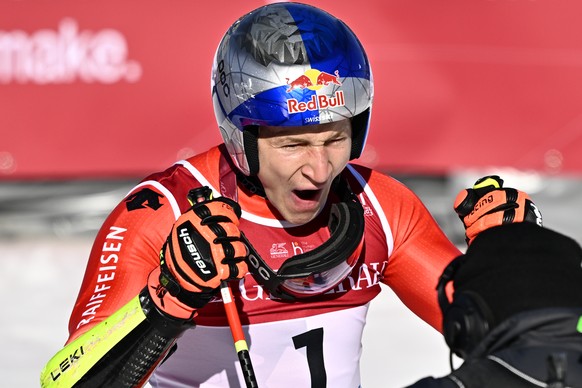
(288, 64)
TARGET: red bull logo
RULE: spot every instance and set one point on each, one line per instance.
(313, 79)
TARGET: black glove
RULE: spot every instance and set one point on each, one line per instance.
(488, 204)
(202, 250)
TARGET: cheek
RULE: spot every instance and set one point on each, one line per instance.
(340, 158)
(277, 163)
(271, 170)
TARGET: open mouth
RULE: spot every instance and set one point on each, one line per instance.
(306, 195)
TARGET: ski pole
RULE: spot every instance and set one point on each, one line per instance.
(201, 194)
(238, 336)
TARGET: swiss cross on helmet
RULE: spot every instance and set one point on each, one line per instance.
(288, 64)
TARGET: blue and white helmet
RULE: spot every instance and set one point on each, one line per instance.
(288, 64)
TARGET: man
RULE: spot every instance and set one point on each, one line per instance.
(292, 92)
(516, 314)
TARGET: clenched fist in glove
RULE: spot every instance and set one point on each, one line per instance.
(488, 204)
(203, 249)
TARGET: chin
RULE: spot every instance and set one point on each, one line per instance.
(300, 218)
(298, 214)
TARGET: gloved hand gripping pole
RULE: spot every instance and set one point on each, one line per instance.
(240, 344)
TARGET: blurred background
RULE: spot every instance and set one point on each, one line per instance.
(94, 95)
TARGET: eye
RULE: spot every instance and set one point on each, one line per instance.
(336, 141)
(291, 146)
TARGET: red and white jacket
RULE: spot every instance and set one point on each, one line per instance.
(298, 344)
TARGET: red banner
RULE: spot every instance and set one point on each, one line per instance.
(109, 88)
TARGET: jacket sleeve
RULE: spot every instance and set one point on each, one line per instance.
(114, 328)
(420, 249)
(126, 249)
(121, 351)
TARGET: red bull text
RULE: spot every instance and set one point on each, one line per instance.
(316, 102)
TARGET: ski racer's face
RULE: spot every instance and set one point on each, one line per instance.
(298, 165)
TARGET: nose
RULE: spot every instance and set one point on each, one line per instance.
(317, 167)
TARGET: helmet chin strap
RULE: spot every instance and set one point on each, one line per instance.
(230, 175)
(250, 136)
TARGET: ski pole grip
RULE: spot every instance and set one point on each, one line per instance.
(200, 194)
